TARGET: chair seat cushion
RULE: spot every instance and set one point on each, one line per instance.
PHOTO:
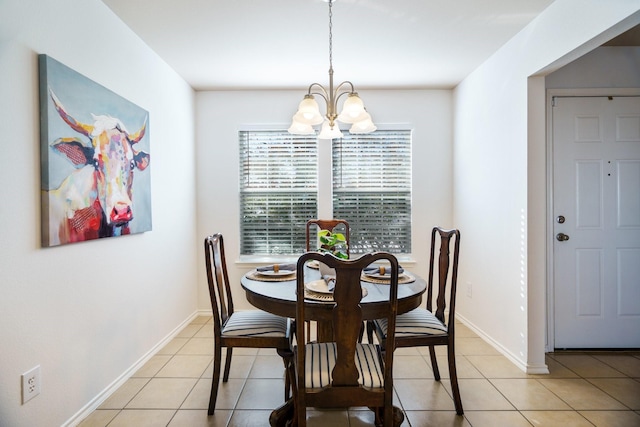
(321, 358)
(414, 323)
(255, 323)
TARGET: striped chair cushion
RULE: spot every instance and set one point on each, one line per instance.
(416, 322)
(255, 323)
(321, 358)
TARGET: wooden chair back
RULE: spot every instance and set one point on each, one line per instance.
(345, 389)
(218, 280)
(445, 265)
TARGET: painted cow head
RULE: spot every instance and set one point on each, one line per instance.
(113, 158)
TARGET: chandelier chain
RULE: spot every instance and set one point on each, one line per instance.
(330, 35)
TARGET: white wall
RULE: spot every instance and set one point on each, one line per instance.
(87, 312)
(604, 67)
(499, 178)
(220, 114)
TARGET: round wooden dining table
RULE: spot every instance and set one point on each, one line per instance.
(279, 297)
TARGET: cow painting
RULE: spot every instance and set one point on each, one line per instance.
(96, 199)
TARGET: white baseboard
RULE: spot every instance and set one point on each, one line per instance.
(120, 380)
(521, 364)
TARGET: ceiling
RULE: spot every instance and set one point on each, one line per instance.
(284, 44)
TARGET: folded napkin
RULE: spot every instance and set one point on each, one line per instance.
(331, 282)
(382, 270)
(290, 267)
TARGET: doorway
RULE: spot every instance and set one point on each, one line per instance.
(595, 212)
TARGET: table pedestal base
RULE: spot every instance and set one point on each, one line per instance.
(284, 416)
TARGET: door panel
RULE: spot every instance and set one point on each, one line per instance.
(596, 168)
(629, 274)
(588, 194)
(589, 282)
(628, 194)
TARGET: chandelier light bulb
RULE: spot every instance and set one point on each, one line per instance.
(298, 128)
(308, 112)
(353, 107)
(308, 105)
(363, 126)
(329, 132)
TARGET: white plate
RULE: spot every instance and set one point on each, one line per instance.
(313, 264)
(319, 286)
(275, 274)
(386, 275)
(379, 276)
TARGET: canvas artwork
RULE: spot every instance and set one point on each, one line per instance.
(95, 158)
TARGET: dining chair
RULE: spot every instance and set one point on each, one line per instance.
(251, 328)
(339, 225)
(344, 372)
(423, 326)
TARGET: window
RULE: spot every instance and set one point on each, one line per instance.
(372, 190)
(279, 190)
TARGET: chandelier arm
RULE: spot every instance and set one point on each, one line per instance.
(323, 92)
(346, 82)
(336, 100)
(337, 94)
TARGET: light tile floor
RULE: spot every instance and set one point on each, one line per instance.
(583, 389)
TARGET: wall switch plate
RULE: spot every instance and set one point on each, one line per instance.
(469, 289)
(30, 384)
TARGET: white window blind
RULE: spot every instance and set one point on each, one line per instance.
(278, 191)
(372, 189)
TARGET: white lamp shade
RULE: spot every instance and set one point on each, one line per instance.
(363, 126)
(327, 133)
(308, 111)
(298, 128)
(352, 109)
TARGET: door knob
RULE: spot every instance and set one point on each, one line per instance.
(561, 237)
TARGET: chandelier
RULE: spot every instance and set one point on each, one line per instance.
(353, 111)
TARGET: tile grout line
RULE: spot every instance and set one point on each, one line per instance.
(578, 411)
(233, 411)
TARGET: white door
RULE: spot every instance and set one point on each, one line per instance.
(596, 208)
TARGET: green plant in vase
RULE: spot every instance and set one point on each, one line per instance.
(334, 243)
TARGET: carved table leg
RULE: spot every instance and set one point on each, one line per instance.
(324, 331)
(398, 416)
(282, 416)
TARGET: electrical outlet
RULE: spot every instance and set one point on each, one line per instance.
(469, 289)
(30, 384)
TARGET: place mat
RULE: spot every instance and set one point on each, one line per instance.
(326, 297)
(254, 275)
(275, 269)
(402, 279)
